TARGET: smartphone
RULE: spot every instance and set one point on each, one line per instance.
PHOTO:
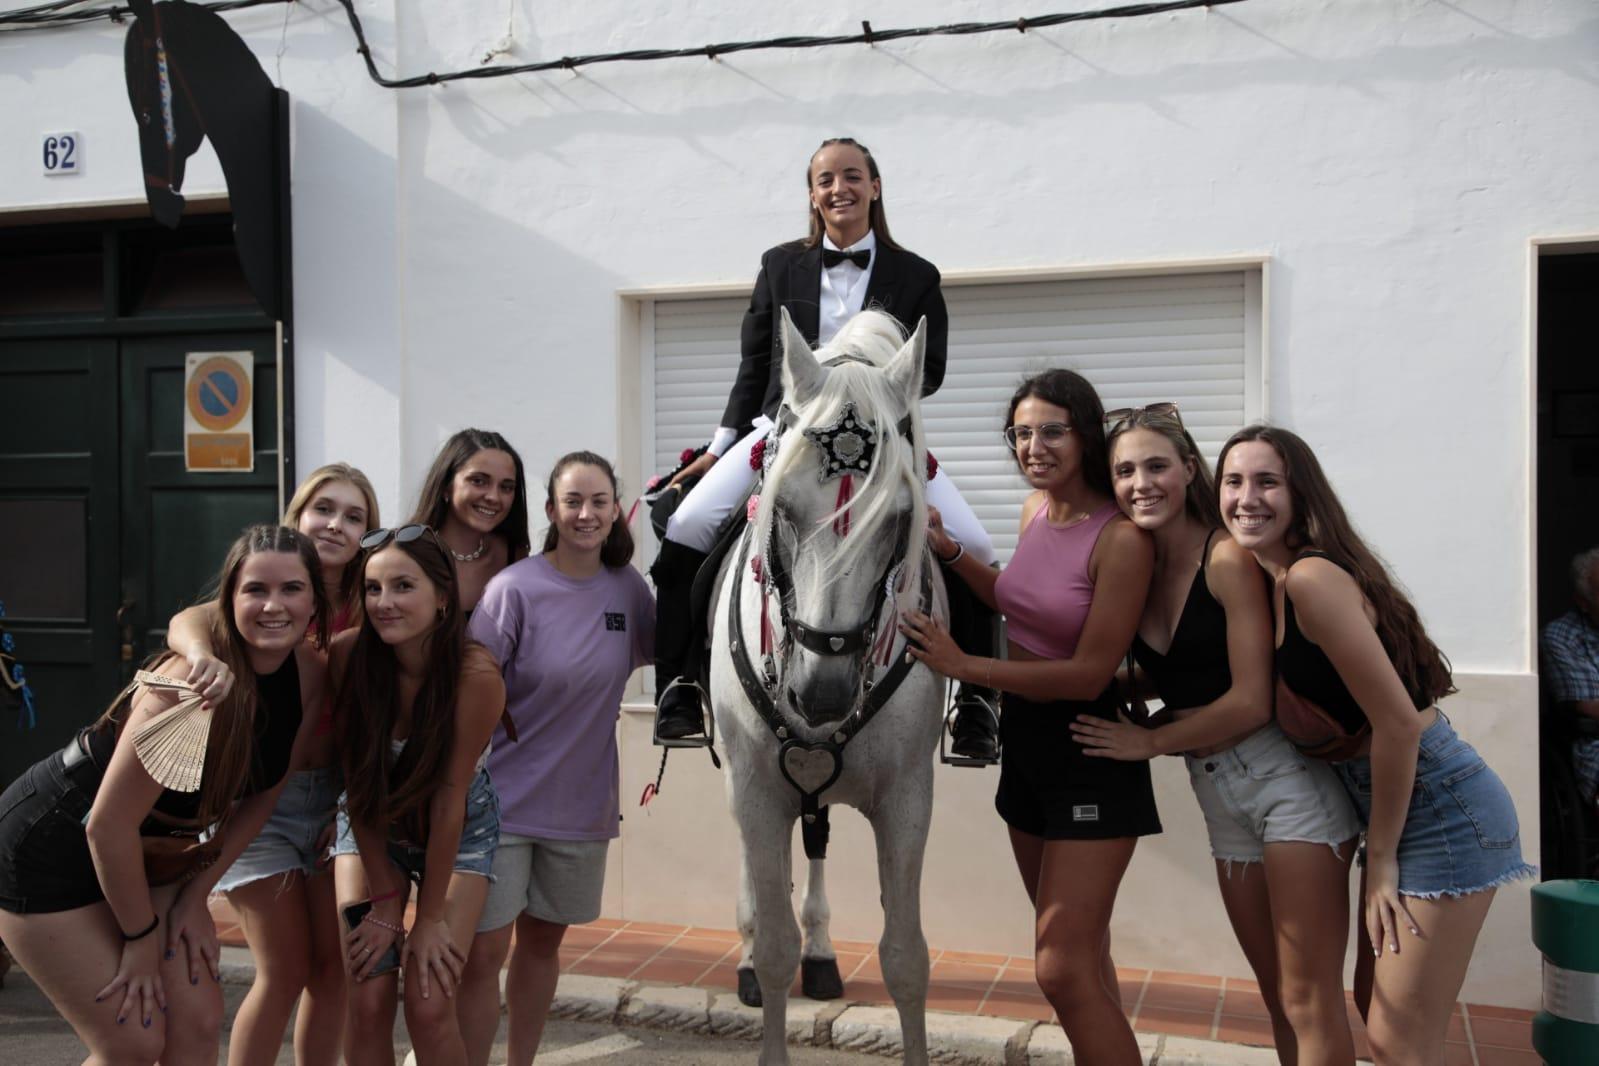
(391, 958)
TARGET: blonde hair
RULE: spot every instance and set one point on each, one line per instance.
(307, 491)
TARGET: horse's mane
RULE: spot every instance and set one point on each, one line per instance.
(876, 338)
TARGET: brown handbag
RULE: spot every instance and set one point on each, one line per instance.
(1313, 731)
(178, 854)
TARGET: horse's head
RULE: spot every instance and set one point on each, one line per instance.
(842, 517)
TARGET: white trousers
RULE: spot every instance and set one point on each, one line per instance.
(698, 518)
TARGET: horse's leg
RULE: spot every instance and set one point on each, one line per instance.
(819, 976)
(749, 989)
(901, 831)
(766, 831)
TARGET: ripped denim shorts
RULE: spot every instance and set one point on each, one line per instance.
(1262, 791)
(480, 835)
(1461, 834)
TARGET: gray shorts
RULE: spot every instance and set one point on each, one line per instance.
(1262, 791)
(557, 881)
(288, 840)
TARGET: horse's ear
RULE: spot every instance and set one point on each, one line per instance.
(802, 374)
(905, 369)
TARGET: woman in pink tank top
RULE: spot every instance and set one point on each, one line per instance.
(1072, 597)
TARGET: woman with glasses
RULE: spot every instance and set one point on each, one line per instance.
(568, 627)
(104, 871)
(279, 887)
(475, 497)
(1281, 829)
(848, 262)
(1359, 682)
(417, 704)
(1072, 597)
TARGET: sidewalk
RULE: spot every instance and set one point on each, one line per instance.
(1185, 1009)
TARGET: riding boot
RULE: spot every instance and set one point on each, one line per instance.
(678, 644)
(974, 733)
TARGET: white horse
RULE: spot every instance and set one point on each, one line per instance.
(813, 693)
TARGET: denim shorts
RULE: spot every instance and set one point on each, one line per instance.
(1461, 835)
(288, 840)
(45, 865)
(1262, 791)
(557, 881)
(480, 835)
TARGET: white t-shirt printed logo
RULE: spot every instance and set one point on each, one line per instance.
(615, 622)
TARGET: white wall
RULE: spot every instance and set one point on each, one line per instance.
(458, 250)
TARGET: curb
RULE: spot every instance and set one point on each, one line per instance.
(956, 1039)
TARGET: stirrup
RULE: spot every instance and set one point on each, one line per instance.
(705, 738)
(969, 702)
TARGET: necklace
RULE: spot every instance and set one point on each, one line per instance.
(482, 546)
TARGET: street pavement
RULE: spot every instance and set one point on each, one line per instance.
(32, 1034)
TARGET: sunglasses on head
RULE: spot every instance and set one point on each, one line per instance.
(1118, 418)
(401, 534)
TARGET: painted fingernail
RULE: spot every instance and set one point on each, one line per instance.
(121, 1020)
(171, 954)
(147, 1023)
(194, 980)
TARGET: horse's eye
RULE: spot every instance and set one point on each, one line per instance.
(146, 116)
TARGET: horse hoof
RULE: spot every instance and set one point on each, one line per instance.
(749, 989)
(820, 979)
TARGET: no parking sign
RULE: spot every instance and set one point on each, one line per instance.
(218, 399)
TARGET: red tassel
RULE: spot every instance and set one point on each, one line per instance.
(846, 492)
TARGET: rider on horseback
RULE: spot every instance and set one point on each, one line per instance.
(848, 262)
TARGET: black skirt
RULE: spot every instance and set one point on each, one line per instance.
(1048, 786)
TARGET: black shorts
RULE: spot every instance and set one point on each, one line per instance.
(1049, 788)
(45, 864)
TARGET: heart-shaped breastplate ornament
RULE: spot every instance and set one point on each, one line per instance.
(810, 768)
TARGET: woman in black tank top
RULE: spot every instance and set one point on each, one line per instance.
(1441, 831)
(127, 954)
(1273, 819)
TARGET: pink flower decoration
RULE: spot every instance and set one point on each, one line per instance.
(687, 456)
(649, 486)
(757, 454)
(932, 467)
(751, 507)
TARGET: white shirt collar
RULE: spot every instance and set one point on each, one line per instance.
(867, 243)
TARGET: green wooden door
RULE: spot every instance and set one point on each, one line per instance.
(59, 530)
(176, 526)
(103, 534)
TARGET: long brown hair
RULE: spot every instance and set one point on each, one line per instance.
(380, 788)
(1320, 523)
(877, 214)
(230, 746)
(433, 503)
(618, 547)
(1200, 499)
(307, 491)
(1072, 391)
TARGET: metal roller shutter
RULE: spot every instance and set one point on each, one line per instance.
(1190, 338)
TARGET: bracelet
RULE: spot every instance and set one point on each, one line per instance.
(128, 938)
(960, 551)
(390, 894)
(988, 675)
(381, 924)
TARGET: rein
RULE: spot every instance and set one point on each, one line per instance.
(759, 689)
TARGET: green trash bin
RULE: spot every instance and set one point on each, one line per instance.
(1565, 927)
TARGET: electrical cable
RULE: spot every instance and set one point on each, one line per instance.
(49, 14)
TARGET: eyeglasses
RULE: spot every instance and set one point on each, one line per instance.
(1050, 434)
(402, 535)
(1114, 420)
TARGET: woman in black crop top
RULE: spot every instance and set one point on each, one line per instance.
(1441, 832)
(128, 955)
(1275, 819)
